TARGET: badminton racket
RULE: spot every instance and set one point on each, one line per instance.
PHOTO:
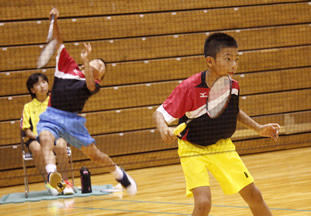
(218, 99)
(49, 49)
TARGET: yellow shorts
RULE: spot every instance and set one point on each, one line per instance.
(220, 159)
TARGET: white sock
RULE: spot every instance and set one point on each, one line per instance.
(50, 168)
(117, 173)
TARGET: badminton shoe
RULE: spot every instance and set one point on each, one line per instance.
(56, 181)
(51, 190)
(68, 189)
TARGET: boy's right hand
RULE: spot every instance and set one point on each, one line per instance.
(167, 135)
(54, 12)
(85, 52)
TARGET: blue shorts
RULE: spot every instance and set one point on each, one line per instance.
(67, 125)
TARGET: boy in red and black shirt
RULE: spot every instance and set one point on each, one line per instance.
(72, 87)
(205, 144)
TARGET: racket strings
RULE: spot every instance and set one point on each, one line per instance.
(219, 96)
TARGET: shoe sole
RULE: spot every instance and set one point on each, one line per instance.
(69, 193)
(52, 190)
(55, 180)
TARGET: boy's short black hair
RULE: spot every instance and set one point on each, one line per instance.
(32, 80)
(217, 41)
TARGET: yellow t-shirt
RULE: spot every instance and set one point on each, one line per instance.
(31, 113)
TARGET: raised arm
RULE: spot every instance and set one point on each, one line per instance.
(56, 31)
(266, 130)
(88, 70)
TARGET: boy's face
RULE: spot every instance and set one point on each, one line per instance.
(40, 88)
(226, 62)
(99, 69)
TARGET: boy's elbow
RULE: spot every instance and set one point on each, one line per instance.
(91, 88)
(155, 113)
(154, 116)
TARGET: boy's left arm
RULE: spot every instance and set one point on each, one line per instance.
(266, 130)
(88, 70)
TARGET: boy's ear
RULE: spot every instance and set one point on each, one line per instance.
(209, 61)
(33, 90)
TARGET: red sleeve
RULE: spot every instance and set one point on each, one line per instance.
(66, 63)
(235, 87)
(235, 84)
(178, 103)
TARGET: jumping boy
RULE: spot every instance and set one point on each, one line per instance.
(38, 87)
(72, 87)
(196, 151)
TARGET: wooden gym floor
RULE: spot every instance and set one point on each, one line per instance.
(284, 177)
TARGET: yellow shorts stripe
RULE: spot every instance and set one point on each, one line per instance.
(220, 159)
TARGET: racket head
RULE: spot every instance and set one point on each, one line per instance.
(219, 96)
(46, 54)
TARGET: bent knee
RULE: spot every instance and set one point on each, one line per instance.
(46, 137)
(203, 205)
(34, 146)
(61, 145)
(45, 134)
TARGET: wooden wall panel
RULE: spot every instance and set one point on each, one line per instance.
(19, 10)
(129, 96)
(149, 47)
(33, 32)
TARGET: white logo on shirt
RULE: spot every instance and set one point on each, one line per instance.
(203, 95)
(76, 71)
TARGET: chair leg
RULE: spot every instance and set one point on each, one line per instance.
(25, 179)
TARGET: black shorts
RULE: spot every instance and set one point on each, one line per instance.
(27, 143)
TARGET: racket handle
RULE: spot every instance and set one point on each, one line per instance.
(180, 128)
(50, 34)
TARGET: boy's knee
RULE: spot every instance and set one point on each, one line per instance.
(61, 145)
(34, 146)
(46, 137)
(203, 205)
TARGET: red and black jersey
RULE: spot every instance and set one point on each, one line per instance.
(69, 92)
(188, 101)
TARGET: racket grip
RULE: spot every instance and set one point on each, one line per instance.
(180, 128)
(50, 33)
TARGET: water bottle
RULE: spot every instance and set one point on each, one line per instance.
(85, 175)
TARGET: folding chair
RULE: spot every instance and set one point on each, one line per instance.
(27, 156)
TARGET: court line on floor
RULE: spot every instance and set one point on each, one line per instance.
(225, 206)
(159, 202)
(134, 211)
